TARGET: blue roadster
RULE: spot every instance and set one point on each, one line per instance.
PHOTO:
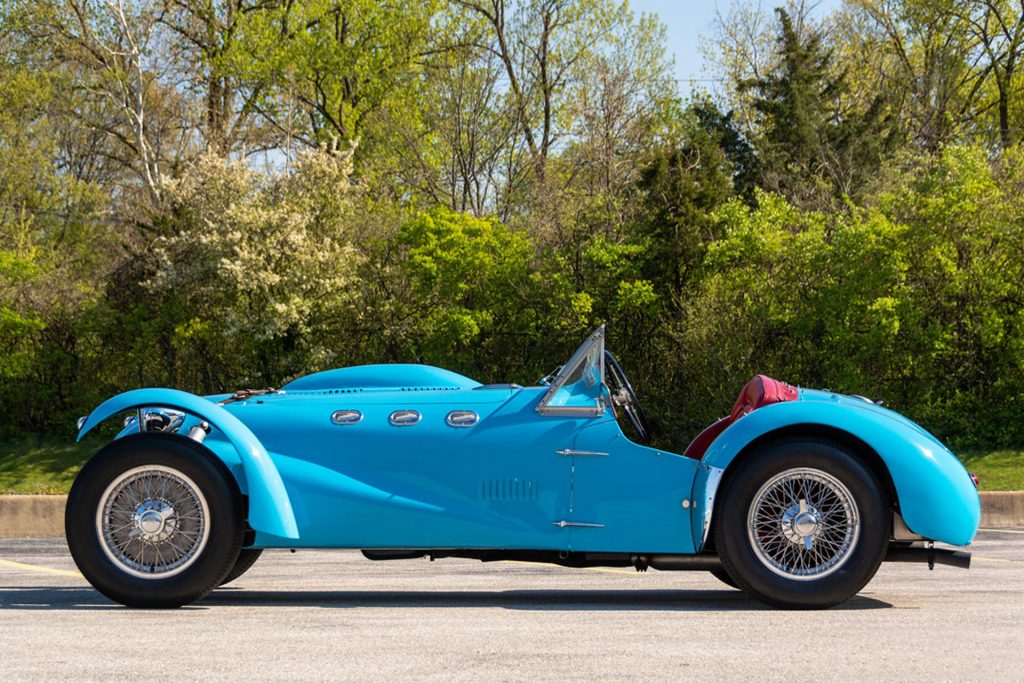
(796, 496)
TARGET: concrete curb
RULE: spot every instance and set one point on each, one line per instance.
(1002, 509)
(32, 516)
(25, 516)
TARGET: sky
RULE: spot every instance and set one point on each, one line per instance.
(687, 20)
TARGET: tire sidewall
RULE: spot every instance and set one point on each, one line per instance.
(738, 555)
(225, 520)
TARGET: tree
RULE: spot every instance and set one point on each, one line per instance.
(203, 39)
(997, 27)
(252, 274)
(683, 183)
(333, 69)
(934, 71)
(808, 140)
(111, 45)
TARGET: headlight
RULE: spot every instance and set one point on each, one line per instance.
(157, 419)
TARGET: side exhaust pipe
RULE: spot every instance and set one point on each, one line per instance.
(677, 563)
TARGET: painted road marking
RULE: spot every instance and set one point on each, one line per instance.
(41, 570)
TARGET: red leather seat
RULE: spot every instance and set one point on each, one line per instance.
(758, 392)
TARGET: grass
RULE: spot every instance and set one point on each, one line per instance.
(50, 465)
(996, 470)
(47, 466)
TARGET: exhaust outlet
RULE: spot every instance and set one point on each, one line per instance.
(679, 563)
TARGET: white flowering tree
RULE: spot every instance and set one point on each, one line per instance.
(254, 267)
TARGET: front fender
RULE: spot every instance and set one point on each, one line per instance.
(937, 498)
(270, 510)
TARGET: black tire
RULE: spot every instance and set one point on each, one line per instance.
(246, 559)
(840, 573)
(724, 577)
(213, 555)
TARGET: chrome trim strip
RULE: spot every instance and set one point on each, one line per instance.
(569, 451)
(346, 417)
(711, 488)
(586, 411)
(462, 418)
(405, 418)
(588, 525)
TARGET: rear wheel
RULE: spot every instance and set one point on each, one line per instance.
(154, 520)
(246, 559)
(801, 524)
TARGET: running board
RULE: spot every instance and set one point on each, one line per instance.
(930, 555)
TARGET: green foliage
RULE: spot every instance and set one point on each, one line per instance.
(216, 195)
(914, 300)
(475, 287)
(812, 144)
(353, 64)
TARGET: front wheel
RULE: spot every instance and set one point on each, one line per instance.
(154, 520)
(801, 524)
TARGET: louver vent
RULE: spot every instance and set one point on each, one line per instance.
(509, 489)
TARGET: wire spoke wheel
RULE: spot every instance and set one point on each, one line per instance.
(153, 521)
(803, 524)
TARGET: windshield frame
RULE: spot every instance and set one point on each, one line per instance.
(596, 339)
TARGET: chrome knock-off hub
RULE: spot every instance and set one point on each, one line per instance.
(800, 523)
(154, 521)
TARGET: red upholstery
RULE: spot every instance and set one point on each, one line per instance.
(758, 392)
(761, 391)
(697, 447)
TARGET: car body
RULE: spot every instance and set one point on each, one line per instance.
(412, 460)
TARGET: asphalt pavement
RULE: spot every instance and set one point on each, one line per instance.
(332, 615)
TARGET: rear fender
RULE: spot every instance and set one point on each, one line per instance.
(935, 495)
(270, 510)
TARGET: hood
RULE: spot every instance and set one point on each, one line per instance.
(394, 376)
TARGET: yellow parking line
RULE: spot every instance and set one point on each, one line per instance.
(41, 570)
(1004, 531)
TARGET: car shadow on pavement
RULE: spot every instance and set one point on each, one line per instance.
(725, 600)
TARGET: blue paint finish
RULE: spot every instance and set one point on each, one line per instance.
(508, 481)
(937, 498)
(374, 485)
(393, 375)
(635, 492)
(269, 508)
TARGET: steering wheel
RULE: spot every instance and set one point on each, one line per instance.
(624, 397)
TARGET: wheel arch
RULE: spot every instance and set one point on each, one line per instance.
(270, 509)
(925, 482)
(864, 453)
